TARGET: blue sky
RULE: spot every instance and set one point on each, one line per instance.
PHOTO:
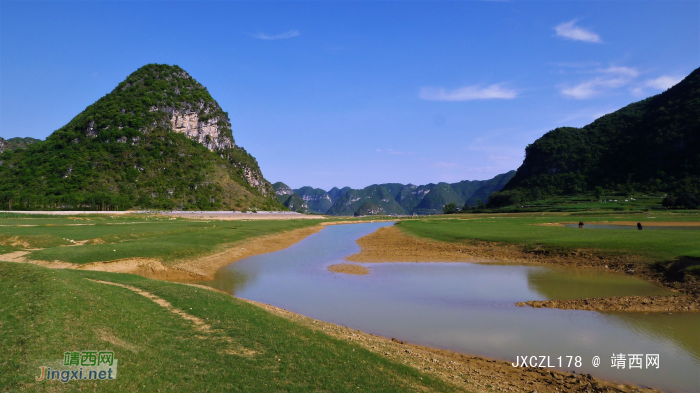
(355, 93)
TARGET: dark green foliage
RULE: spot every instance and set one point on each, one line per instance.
(505, 198)
(598, 192)
(688, 201)
(450, 208)
(651, 146)
(121, 153)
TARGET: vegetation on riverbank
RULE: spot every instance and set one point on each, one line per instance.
(221, 343)
(672, 252)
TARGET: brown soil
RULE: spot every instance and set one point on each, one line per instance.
(622, 303)
(473, 373)
(390, 244)
(348, 268)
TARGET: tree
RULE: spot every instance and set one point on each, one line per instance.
(689, 201)
(450, 208)
(599, 192)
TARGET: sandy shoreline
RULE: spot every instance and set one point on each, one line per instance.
(348, 268)
(390, 244)
(475, 373)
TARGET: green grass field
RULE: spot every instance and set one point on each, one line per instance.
(652, 245)
(46, 312)
(165, 238)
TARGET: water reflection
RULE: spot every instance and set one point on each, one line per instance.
(469, 307)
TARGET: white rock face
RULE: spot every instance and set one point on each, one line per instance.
(205, 132)
(2, 145)
(284, 191)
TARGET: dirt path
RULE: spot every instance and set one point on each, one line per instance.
(204, 329)
(390, 244)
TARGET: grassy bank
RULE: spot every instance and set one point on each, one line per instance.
(527, 230)
(108, 238)
(45, 312)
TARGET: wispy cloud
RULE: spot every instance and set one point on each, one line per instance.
(610, 78)
(444, 165)
(661, 83)
(570, 31)
(263, 36)
(468, 93)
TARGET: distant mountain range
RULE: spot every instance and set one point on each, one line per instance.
(390, 198)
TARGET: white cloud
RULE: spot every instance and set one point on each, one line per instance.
(570, 31)
(661, 83)
(611, 78)
(468, 93)
(289, 34)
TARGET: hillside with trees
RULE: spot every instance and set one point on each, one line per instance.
(157, 141)
(649, 147)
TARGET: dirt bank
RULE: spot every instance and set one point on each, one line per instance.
(202, 268)
(390, 244)
(348, 268)
(473, 373)
(622, 303)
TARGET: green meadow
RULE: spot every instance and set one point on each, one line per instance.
(116, 237)
(652, 245)
(46, 312)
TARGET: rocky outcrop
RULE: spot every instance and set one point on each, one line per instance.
(282, 189)
(2, 145)
(193, 122)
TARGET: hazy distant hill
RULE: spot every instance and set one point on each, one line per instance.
(400, 199)
(317, 199)
(651, 146)
(16, 143)
(289, 198)
(335, 193)
(158, 140)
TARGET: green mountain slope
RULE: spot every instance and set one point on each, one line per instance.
(289, 198)
(348, 204)
(437, 198)
(368, 209)
(317, 199)
(488, 187)
(158, 140)
(335, 193)
(650, 146)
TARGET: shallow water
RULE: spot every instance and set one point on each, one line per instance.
(470, 307)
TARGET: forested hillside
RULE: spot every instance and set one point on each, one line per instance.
(158, 140)
(650, 146)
